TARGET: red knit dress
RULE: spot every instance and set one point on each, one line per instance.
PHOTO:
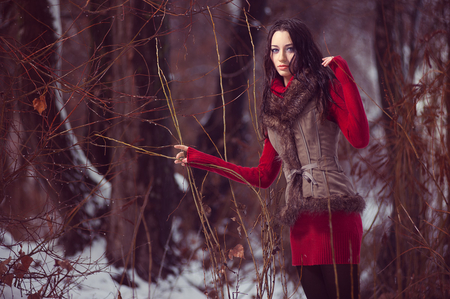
(310, 236)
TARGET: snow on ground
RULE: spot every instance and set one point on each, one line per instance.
(92, 276)
(95, 276)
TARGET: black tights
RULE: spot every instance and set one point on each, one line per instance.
(319, 282)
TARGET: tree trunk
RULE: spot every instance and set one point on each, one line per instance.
(144, 190)
(403, 167)
(39, 184)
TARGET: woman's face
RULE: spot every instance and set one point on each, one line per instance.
(281, 53)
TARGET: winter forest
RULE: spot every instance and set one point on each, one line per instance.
(95, 93)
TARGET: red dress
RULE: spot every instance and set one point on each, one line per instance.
(311, 235)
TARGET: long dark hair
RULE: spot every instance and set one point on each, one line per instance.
(306, 56)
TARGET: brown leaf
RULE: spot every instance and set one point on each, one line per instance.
(39, 104)
(3, 268)
(237, 251)
(207, 210)
(35, 296)
(64, 264)
(119, 296)
(22, 265)
(7, 279)
(4, 277)
(26, 261)
(211, 294)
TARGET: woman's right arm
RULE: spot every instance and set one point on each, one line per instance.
(261, 176)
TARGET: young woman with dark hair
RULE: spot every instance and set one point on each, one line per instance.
(307, 100)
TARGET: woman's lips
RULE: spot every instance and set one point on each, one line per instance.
(283, 67)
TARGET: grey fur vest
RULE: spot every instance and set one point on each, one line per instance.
(308, 148)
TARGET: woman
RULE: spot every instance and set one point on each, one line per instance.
(305, 104)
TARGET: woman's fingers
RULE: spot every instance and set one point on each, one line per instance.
(183, 162)
(180, 158)
(326, 60)
(181, 147)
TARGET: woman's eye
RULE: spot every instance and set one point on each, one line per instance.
(274, 51)
(290, 49)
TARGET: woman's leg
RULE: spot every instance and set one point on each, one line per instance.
(348, 280)
(312, 282)
(319, 281)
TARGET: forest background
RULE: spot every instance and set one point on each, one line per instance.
(94, 94)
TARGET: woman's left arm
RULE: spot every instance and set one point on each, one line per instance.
(348, 112)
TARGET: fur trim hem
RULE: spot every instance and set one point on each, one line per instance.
(349, 204)
(289, 213)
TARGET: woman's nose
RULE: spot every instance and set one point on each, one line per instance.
(282, 56)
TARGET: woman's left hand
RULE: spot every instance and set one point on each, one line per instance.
(180, 157)
(327, 60)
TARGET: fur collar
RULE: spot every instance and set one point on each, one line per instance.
(282, 109)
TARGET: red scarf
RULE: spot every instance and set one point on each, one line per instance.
(278, 87)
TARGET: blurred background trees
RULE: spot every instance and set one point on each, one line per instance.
(95, 93)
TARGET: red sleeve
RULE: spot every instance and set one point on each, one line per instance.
(348, 112)
(261, 176)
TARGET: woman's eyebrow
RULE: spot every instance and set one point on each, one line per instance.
(287, 45)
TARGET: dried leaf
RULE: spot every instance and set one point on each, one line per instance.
(211, 294)
(64, 264)
(39, 104)
(22, 265)
(119, 296)
(237, 251)
(26, 262)
(3, 268)
(207, 210)
(4, 277)
(35, 296)
(7, 279)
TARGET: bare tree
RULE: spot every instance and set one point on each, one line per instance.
(402, 34)
(48, 179)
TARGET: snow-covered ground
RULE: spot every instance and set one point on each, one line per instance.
(91, 276)
(88, 274)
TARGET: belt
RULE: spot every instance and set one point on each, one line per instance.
(306, 175)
